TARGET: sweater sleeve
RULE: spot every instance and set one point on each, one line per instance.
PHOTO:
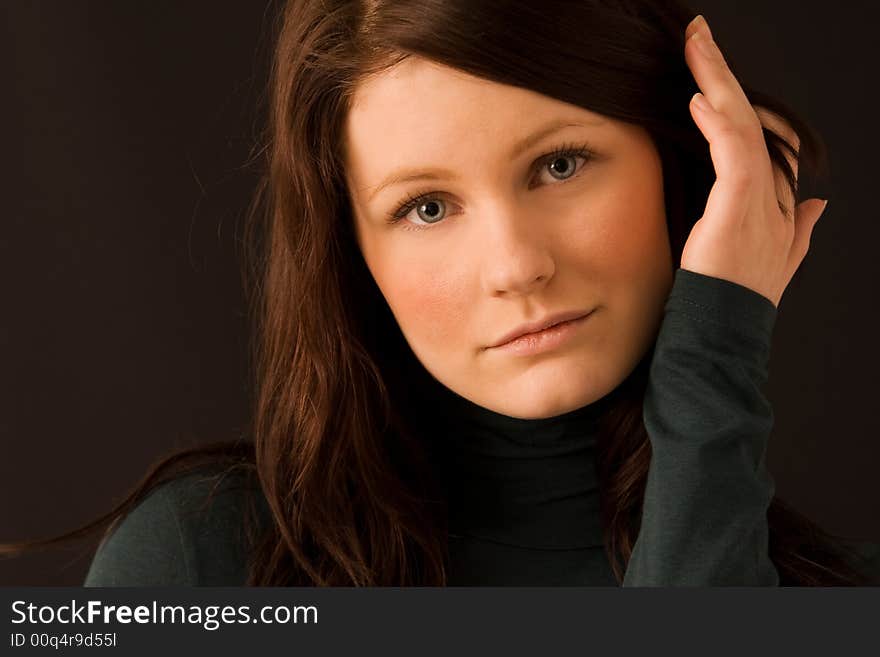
(704, 517)
(864, 556)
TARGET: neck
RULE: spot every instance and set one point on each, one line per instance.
(524, 482)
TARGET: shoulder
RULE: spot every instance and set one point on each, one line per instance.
(188, 531)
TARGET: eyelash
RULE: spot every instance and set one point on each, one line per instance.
(413, 201)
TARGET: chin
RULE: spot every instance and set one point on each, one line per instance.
(536, 397)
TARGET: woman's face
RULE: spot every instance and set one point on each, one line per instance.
(506, 237)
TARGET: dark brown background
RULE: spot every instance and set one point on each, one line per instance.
(124, 130)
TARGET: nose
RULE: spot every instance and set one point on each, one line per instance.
(516, 258)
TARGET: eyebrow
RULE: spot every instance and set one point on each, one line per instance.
(410, 175)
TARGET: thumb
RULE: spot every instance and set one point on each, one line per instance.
(806, 215)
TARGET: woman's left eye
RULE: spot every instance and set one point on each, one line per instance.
(561, 164)
(564, 164)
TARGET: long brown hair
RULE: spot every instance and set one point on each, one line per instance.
(335, 445)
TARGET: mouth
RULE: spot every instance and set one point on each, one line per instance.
(550, 336)
(537, 327)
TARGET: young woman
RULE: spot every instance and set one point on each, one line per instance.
(514, 294)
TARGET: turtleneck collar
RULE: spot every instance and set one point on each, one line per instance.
(525, 482)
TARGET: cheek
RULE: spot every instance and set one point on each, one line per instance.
(638, 263)
(425, 299)
(633, 221)
(623, 237)
(623, 251)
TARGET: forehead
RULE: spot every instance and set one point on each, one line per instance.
(422, 106)
(418, 92)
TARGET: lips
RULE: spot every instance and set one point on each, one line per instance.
(540, 325)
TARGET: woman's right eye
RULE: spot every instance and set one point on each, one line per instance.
(430, 209)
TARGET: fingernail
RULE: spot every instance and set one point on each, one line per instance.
(701, 102)
(698, 24)
(703, 26)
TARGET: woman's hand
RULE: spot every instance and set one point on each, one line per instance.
(743, 235)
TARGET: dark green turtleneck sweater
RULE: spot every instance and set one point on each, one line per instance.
(524, 494)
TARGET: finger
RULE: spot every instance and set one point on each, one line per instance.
(730, 157)
(714, 77)
(807, 215)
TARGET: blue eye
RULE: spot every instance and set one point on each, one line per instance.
(432, 208)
